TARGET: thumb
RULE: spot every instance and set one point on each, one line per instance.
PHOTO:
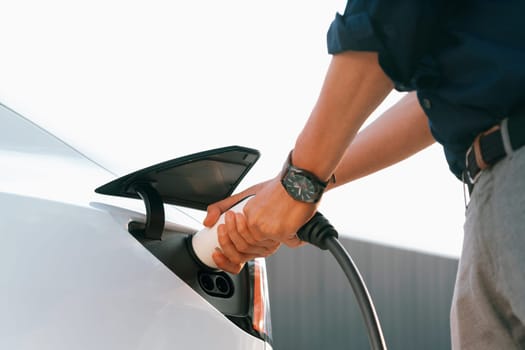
(212, 216)
(215, 210)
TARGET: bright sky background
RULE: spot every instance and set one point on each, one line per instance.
(133, 83)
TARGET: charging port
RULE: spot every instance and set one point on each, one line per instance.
(217, 284)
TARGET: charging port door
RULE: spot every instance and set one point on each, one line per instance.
(193, 181)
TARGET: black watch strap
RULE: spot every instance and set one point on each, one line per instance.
(289, 164)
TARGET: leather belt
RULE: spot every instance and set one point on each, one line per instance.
(491, 146)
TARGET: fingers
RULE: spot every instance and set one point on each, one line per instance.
(220, 257)
(215, 210)
(244, 240)
(237, 246)
(229, 249)
(213, 214)
(293, 242)
(225, 264)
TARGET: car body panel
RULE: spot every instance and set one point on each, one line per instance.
(72, 276)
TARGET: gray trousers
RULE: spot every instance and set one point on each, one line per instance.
(488, 307)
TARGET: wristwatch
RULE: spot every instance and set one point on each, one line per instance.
(301, 184)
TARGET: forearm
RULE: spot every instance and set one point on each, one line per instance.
(354, 86)
(400, 132)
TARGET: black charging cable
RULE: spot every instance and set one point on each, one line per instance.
(319, 232)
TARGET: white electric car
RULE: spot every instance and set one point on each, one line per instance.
(111, 269)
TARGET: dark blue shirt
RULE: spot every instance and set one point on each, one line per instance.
(466, 59)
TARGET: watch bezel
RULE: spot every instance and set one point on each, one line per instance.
(318, 186)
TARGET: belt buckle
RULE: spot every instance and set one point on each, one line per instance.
(478, 157)
(471, 180)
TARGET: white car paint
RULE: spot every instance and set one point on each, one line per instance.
(72, 277)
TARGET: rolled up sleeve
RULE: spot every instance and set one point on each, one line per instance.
(352, 32)
(401, 31)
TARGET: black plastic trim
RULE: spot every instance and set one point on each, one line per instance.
(193, 181)
(155, 216)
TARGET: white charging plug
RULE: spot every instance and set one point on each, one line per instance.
(206, 240)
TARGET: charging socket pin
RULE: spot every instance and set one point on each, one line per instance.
(217, 284)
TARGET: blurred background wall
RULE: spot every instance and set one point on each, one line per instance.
(313, 306)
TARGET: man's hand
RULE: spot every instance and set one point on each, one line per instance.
(274, 215)
(237, 245)
(259, 231)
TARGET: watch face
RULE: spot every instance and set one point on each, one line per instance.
(300, 187)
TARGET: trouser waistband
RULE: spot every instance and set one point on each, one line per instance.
(491, 146)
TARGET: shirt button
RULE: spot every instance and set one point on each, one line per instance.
(426, 103)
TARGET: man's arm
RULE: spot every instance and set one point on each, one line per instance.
(354, 86)
(400, 132)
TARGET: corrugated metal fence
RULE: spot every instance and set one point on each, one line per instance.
(313, 305)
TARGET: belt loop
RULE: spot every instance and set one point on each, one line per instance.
(467, 188)
(505, 136)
